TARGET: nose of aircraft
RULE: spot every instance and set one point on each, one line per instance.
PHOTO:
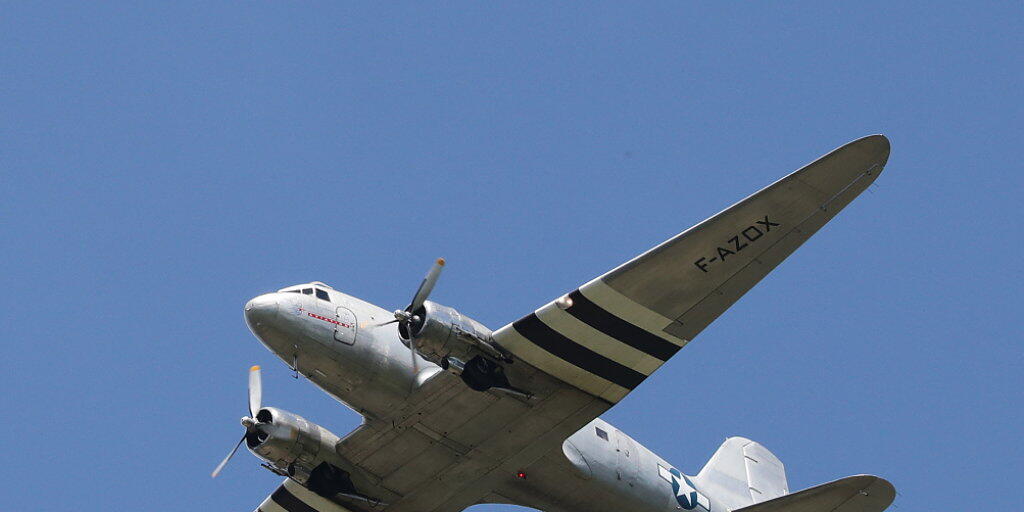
(260, 310)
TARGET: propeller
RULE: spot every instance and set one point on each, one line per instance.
(249, 422)
(406, 318)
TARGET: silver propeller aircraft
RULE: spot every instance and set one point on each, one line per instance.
(456, 414)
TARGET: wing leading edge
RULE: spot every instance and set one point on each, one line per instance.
(611, 333)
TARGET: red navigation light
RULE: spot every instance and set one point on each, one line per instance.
(521, 474)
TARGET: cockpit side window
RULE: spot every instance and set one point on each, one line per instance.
(320, 294)
(307, 291)
(293, 291)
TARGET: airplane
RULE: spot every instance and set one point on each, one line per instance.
(455, 414)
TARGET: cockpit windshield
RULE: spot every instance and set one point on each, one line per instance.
(315, 288)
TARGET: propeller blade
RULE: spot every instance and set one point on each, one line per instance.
(426, 286)
(255, 390)
(226, 459)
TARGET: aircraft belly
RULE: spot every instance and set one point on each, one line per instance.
(448, 446)
(588, 472)
(553, 487)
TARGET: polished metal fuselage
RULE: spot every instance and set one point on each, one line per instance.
(340, 347)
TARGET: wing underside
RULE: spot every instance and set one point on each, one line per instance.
(611, 333)
(449, 446)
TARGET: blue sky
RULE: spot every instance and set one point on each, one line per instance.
(162, 164)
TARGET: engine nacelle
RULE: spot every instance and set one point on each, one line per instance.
(287, 440)
(461, 346)
(442, 332)
(294, 446)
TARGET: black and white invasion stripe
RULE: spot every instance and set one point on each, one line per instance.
(292, 497)
(602, 342)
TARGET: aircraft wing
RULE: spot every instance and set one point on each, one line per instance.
(608, 335)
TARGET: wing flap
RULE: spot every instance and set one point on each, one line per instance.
(610, 334)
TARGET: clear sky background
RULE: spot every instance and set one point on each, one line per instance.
(160, 165)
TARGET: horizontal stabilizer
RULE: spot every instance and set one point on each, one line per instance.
(861, 493)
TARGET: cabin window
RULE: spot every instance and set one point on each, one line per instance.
(601, 433)
(320, 294)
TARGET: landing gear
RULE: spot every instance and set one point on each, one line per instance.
(332, 482)
(482, 374)
(327, 480)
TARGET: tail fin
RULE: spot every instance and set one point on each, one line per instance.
(742, 473)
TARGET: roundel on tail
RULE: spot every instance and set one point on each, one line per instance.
(686, 493)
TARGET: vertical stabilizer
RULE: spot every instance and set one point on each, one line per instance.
(742, 473)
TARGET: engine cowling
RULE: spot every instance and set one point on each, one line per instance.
(442, 332)
(289, 442)
(460, 345)
(294, 446)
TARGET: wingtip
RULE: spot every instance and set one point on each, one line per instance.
(882, 490)
(873, 148)
(255, 368)
(882, 138)
(878, 143)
